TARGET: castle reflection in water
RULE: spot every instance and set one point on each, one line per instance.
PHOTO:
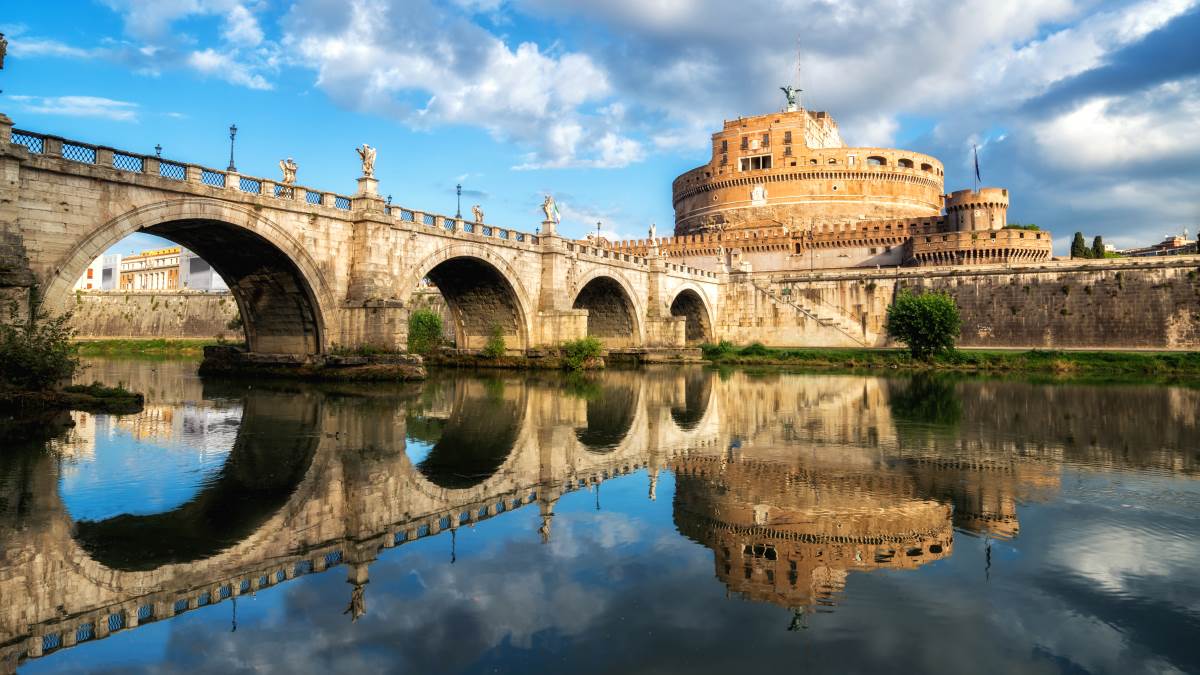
(793, 482)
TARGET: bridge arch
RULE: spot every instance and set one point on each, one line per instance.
(614, 314)
(691, 304)
(482, 291)
(610, 416)
(280, 291)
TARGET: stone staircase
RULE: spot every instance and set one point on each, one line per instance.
(824, 316)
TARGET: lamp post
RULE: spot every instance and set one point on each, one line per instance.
(458, 209)
(232, 135)
(158, 150)
(597, 233)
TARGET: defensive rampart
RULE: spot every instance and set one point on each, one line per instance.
(154, 314)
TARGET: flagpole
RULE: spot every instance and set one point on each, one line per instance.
(976, 149)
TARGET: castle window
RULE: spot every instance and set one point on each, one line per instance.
(927, 167)
(832, 161)
(787, 137)
(812, 161)
(755, 163)
(724, 160)
(906, 163)
(872, 251)
(766, 140)
(876, 160)
(787, 151)
(850, 160)
(725, 145)
(745, 142)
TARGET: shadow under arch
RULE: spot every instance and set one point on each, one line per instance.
(611, 409)
(273, 452)
(612, 313)
(697, 391)
(698, 324)
(277, 286)
(481, 300)
(472, 442)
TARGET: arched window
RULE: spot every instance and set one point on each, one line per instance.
(927, 167)
(906, 163)
(876, 160)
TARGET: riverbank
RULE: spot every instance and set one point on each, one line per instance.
(144, 348)
(1037, 361)
(94, 398)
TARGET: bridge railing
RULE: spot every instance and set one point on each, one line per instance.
(85, 153)
(154, 165)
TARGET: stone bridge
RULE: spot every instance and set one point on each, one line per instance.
(312, 270)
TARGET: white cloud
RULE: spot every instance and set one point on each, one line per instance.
(219, 64)
(79, 106)
(427, 67)
(241, 28)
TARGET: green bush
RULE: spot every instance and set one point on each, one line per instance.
(424, 331)
(495, 347)
(716, 351)
(36, 355)
(577, 352)
(927, 324)
(754, 349)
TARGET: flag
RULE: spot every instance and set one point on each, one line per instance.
(977, 178)
(556, 216)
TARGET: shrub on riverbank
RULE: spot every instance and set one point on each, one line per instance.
(927, 323)
(36, 355)
(424, 331)
(495, 347)
(577, 353)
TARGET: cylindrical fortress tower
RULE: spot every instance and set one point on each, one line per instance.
(793, 168)
(972, 211)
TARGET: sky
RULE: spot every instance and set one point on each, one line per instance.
(1088, 111)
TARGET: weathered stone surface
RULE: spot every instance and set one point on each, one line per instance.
(150, 314)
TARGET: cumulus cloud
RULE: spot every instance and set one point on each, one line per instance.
(222, 65)
(427, 66)
(79, 106)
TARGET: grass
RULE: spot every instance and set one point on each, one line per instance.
(148, 348)
(1036, 361)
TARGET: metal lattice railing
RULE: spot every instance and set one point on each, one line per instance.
(303, 567)
(503, 234)
(31, 142)
(250, 185)
(312, 197)
(428, 219)
(128, 162)
(333, 558)
(116, 621)
(340, 202)
(283, 191)
(406, 215)
(79, 153)
(85, 632)
(245, 586)
(212, 178)
(487, 231)
(145, 613)
(447, 223)
(520, 236)
(172, 171)
(204, 599)
(468, 227)
(51, 641)
(181, 605)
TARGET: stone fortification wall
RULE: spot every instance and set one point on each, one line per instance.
(1109, 304)
(150, 314)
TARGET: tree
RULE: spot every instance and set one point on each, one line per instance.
(1098, 247)
(927, 323)
(424, 331)
(36, 354)
(1079, 248)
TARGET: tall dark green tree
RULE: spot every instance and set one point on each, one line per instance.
(1098, 247)
(1079, 247)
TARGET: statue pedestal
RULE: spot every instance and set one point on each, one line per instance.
(548, 228)
(367, 185)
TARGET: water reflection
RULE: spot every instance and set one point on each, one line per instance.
(789, 484)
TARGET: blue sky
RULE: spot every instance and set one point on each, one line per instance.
(1088, 111)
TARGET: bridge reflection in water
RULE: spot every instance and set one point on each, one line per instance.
(792, 482)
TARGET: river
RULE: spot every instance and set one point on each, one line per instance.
(640, 521)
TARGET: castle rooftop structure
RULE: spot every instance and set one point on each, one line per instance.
(784, 192)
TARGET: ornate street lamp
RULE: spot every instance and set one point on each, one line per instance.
(232, 135)
(458, 209)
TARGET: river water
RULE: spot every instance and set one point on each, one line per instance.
(654, 521)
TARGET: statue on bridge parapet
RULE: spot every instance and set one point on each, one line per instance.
(653, 232)
(367, 154)
(288, 167)
(550, 208)
(477, 213)
(3, 50)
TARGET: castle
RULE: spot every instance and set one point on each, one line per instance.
(783, 191)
